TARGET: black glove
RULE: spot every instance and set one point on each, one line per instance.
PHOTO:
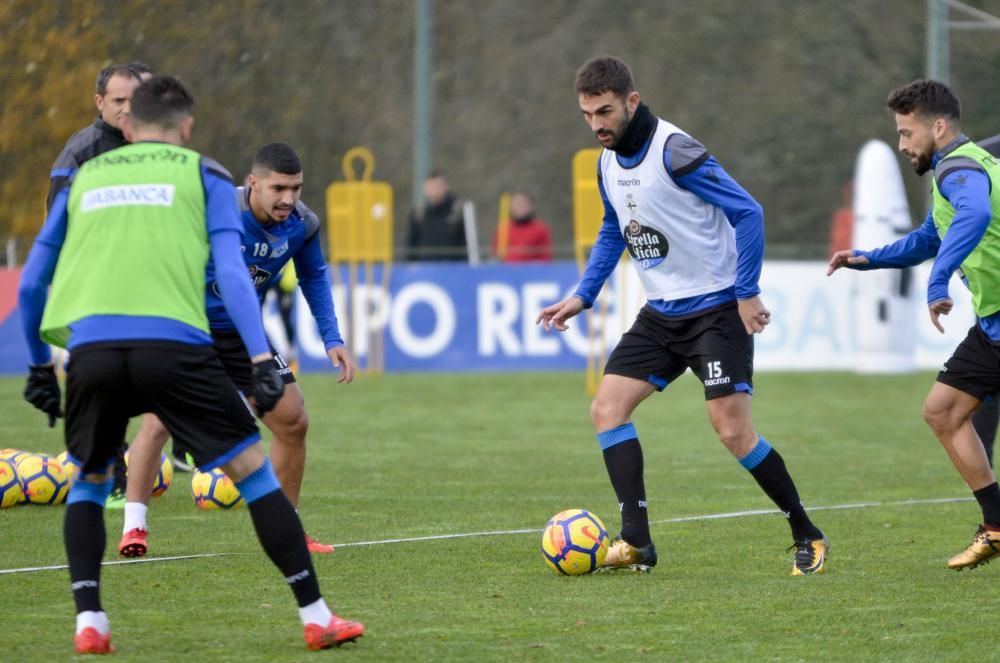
(267, 386)
(42, 391)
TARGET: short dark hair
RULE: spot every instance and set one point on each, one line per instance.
(926, 98)
(105, 75)
(161, 100)
(604, 74)
(139, 68)
(277, 158)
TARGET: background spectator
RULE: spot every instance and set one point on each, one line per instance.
(526, 238)
(437, 231)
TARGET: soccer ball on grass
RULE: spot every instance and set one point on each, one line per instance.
(10, 485)
(214, 490)
(574, 542)
(13, 455)
(70, 465)
(43, 479)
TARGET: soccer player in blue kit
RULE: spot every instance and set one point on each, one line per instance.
(696, 238)
(277, 228)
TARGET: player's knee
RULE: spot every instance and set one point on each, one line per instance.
(153, 432)
(291, 424)
(160, 435)
(939, 418)
(245, 463)
(300, 425)
(736, 437)
(606, 413)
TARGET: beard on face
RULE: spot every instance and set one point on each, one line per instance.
(923, 163)
(616, 135)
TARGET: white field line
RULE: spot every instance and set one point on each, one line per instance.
(118, 562)
(532, 530)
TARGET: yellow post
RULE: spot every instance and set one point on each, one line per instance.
(503, 225)
(360, 236)
(588, 214)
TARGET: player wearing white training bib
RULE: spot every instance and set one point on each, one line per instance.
(658, 217)
(696, 239)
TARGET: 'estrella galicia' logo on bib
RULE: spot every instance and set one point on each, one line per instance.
(646, 245)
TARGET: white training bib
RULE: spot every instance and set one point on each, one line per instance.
(680, 245)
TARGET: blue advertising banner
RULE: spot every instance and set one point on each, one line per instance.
(455, 317)
(450, 317)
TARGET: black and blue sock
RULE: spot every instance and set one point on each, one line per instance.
(280, 532)
(989, 502)
(84, 537)
(768, 468)
(623, 459)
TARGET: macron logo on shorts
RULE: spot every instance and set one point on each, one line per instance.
(159, 195)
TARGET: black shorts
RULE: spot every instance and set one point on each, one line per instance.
(235, 359)
(714, 345)
(184, 385)
(974, 367)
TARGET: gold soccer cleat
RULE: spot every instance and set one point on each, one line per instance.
(984, 547)
(623, 555)
(810, 556)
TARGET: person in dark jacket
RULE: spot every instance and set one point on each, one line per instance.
(437, 231)
(113, 93)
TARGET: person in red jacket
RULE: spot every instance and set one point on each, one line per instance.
(524, 237)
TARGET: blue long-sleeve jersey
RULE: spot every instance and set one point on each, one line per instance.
(692, 168)
(266, 251)
(223, 224)
(968, 191)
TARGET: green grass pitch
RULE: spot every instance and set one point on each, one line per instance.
(401, 456)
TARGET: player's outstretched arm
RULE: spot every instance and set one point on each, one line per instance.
(556, 315)
(845, 258)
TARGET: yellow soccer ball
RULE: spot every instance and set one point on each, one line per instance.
(164, 477)
(13, 455)
(214, 490)
(10, 485)
(574, 542)
(70, 465)
(43, 479)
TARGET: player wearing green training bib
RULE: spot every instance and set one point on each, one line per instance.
(125, 250)
(962, 233)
